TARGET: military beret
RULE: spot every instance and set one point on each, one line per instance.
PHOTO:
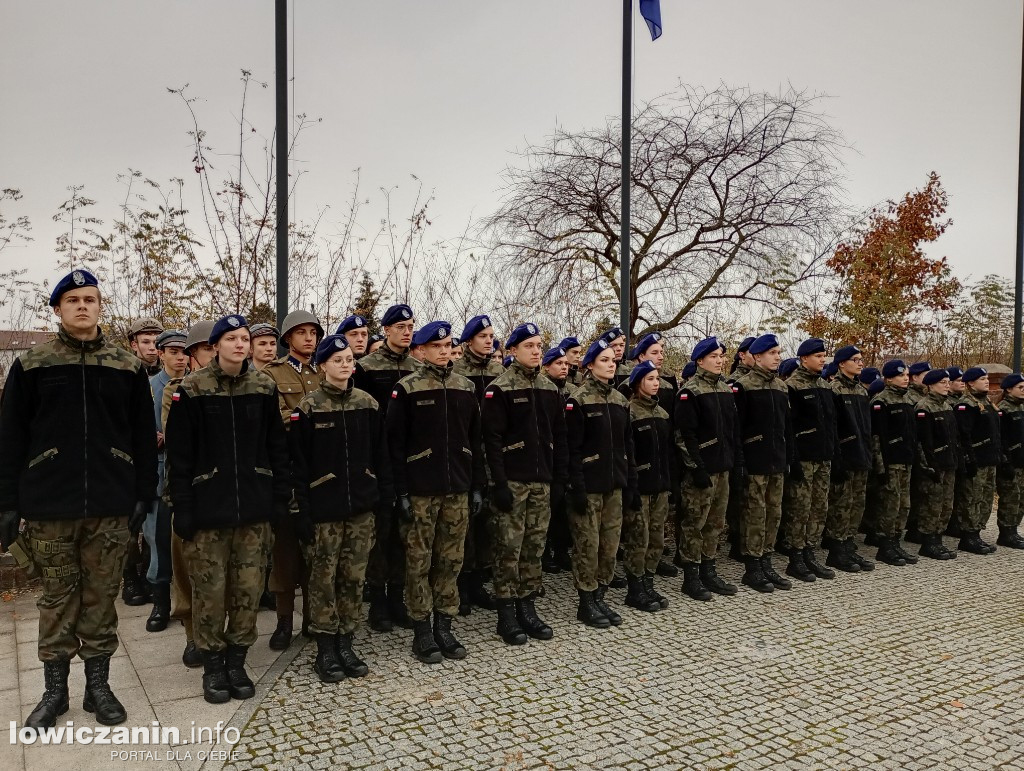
(645, 342)
(1014, 378)
(918, 367)
(974, 373)
(145, 325)
(329, 346)
(171, 337)
(934, 376)
(227, 324)
(455, 341)
(639, 372)
(569, 343)
(764, 343)
(76, 279)
(787, 366)
(376, 339)
(199, 333)
(955, 373)
(893, 368)
(507, 361)
(521, 333)
(475, 326)
(395, 314)
(811, 346)
(594, 351)
(612, 334)
(689, 370)
(355, 321)
(429, 333)
(704, 347)
(876, 387)
(745, 345)
(552, 355)
(845, 353)
(869, 375)
(830, 370)
(263, 330)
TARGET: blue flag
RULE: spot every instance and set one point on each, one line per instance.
(651, 11)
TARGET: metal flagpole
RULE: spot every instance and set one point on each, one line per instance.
(627, 131)
(1019, 286)
(281, 46)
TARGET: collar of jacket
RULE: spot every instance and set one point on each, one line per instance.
(441, 373)
(848, 381)
(740, 370)
(705, 375)
(530, 373)
(1012, 399)
(981, 398)
(82, 346)
(475, 359)
(645, 401)
(386, 351)
(765, 374)
(558, 381)
(298, 365)
(916, 387)
(219, 372)
(806, 374)
(601, 387)
(896, 389)
(336, 392)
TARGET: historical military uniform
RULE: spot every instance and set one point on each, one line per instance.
(978, 420)
(938, 438)
(1010, 474)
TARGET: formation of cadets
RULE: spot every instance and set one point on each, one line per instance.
(409, 471)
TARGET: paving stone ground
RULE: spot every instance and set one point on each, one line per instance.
(902, 668)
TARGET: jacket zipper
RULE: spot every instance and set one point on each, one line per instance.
(447, 440)
(85, 434)
(348, 470)
(536, 425)
(234, 447)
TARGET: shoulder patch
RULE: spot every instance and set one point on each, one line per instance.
(922, 414)
(295, 415)
(176, 396)
(961, 407)
(735, 389)
(488, 394)
(568, 406)
(683, 396)
(878, 406)
(394, 394)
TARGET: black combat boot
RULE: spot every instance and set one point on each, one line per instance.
(933, 548)
(532, 624)
(915, 536)
(282, 636)
(770, 573)
(397, 608)
(191, 657)
(215, 677)
(872, 538)
(863, 562)
(133, 593)
(613, 618)
(910, 559)
(648, 581)
(55, 696)
(839, 557)
(379, 616)
(239, 684)
(711, 580)
(692, 585)
(754, 577)
(350, 662)
(326, 663)
(423, 646)
(161, 613)
(268, 600)
(618, 580)
(589, 613)
(450, 647)
(478, 594)
(798, 568)
(98, 696)
(1009, 537)
(887, 553)
(666, 569)
(508, 625)
(970, 541)
(811, 561)
(637, 596)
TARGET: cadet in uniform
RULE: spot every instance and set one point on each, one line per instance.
(556, 369)
(357, 334)
(341, 474)
(742, 362)
(555, 366)
(295, 376)
(741, 365)
(916, 389)
(573, 353)
(978, 421)
(437, 460)
(142, 337)
(376, 341)
(229, 480)
(939, 442)
(524, 439)
(78, 464)
(617, 342)
(1010, 475)
(650, 348)
(263, 339)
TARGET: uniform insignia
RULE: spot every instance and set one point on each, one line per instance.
(78, 278)
(405, 314)
(233, 321)
(531, 329)
(340, 344)
(485, 322)
(878, 406)
(735, 389)
(922, 414)
(441, 333)
(175, 397)
(394, 394)
(683, 397)
(489, 394)
(602, 344)
(568, 406)
(962, 407)
(295, 415)
(359, 322)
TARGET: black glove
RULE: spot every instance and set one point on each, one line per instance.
(476, 503)
(970, 469)
(10, 523)
(183, 526)
(138, 516)
(839, 476)
(502, 498)
(931, 473)
(796, 472)
(304, 528)
(577, 501)
(700, 478)
(636, 501)
(404, 506)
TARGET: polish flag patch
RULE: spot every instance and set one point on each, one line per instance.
(295, 416)
(488, 394)
(394, 394)
(176, 397)
(878, 406)
(683, 397)
(568, 406)
(962, 407)
(735, 389)
(921, 414)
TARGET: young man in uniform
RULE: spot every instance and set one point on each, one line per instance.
(573, 354)
(916, 389)
(555, 367)
(939, 441)
(142, 341)
(263, 339)
(78, 464)
(356, 332)
(978, 421)
(1010, 474)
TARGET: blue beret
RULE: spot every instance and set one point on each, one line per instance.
(955, 373)
(919, 366)
(893, 368)
(227, 324)
(704, 347)
(787, 366)
(349, 323)
(329, 346)
(639, 372)
(974, 373)
(869, 375)
(507, 361)
(76, 279)
(475, 326)
(612, 334)
(745, 345)
(645, 342)
(830, 370)
(810, 346)
(429, 333)
(396, 313)
(934, 376)
(171, 337)
(689, 370)
(876, 387)
(844, 354)
(1014, 378)
(594, 351)
(521, 333)
(764, 343)
(552, 355)
(569, 342)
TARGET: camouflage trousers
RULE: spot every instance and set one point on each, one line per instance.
(762, 513)
(804, 505)
(1011, 498)
(435, 542)
(703, 519)
(846, 506)
(972, 501)
(337, 559)
(227, 567)
(287, 567)
(81, 561)
(181, 586)
(595, 540)
(894, 502)
(387, 557)
(935, 501)
(643, 534)
(519, 538)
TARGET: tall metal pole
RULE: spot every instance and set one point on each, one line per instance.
(1019, 286)
(281, 79)
(627, 136)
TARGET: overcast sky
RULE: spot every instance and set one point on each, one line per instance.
(447, 89)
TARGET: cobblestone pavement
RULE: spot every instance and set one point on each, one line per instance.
(909, 668)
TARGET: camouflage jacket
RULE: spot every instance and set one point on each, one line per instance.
(600, 439)
(937, 434)
(1011, 430)
(227, 451)
(294, 380)
(916, 392)
(814, 416)
(893, 433)
(339, 459)
(766, 424)
(563, 386)
(853, 424)
(652, 446)
(77, 432)
(377, 372)
(666, 391)
(978, 421)
(481, 371)
(706, 425)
